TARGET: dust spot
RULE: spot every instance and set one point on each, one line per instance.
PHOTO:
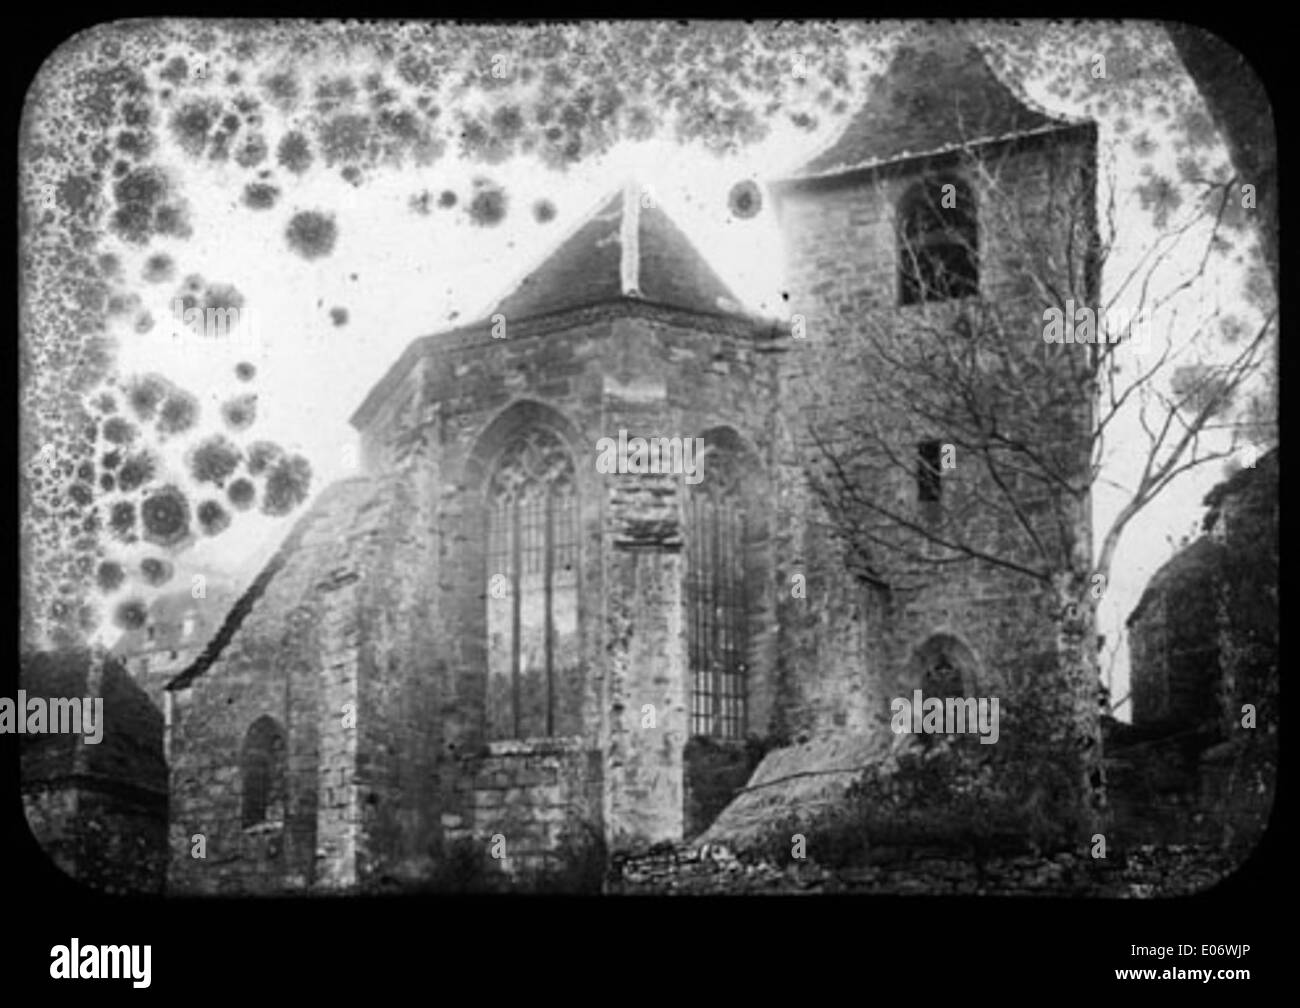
(156, 571)
(179, 412)
(260, 196)
(252, 152)
(121, 520)
(311, 234)
(344, 138)
(222, 297)
(159, 268)
(213, 459)
(166, 517)
(282, 89)
(119, 431)
(543, 211)
(176, 71)
(139, 196)
(240, 411)
(213, 518)
(136, 470)
(287, 485)
(191, 124)
(241, 493)
(745, 199)
(294, 153)
(131, 614)
(110, 576)
(144, 395)
(487, 207)
(262, 455)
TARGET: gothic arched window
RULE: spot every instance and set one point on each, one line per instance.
(262, 772)
(944, 667)
(938, 242)
(532, 618)
(941, 678)
(717, 607)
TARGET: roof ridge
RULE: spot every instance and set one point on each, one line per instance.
(630, 241)
(243, 605)
(580, 222)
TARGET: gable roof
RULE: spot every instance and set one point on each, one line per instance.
(621, 253)
(936, 95)
(622, 250)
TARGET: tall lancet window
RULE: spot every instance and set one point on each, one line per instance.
(532, 619)
(262, 772)
(717, 609)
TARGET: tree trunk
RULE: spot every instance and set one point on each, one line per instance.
(1080, 683)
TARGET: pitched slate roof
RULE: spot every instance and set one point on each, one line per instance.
(936, 95)
(622, 250)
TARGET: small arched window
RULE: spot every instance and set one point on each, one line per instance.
(717, 605)
(941, 678)
(938, 241)
(532, 577)
(262, 772)
(944, 667)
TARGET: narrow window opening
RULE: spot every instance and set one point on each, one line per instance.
(928, 472)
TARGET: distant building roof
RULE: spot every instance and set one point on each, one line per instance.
(1240, 482)
(164, 630)
(623, 250)
(935, 96)
(1187, 570)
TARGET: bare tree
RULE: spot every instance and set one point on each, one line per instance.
(953, 430)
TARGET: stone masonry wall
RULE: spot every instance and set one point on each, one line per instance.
(292, 649)
(542, 798)
(99, 811)
(653, 372)
(848, 648)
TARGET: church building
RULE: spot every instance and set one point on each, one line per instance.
(485, 637)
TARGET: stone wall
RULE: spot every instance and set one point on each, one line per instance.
(1198, 763)
(99, 810)
(851, 646)
(312, 645)
(540, 797)
(588, 374)
(1141, 872)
